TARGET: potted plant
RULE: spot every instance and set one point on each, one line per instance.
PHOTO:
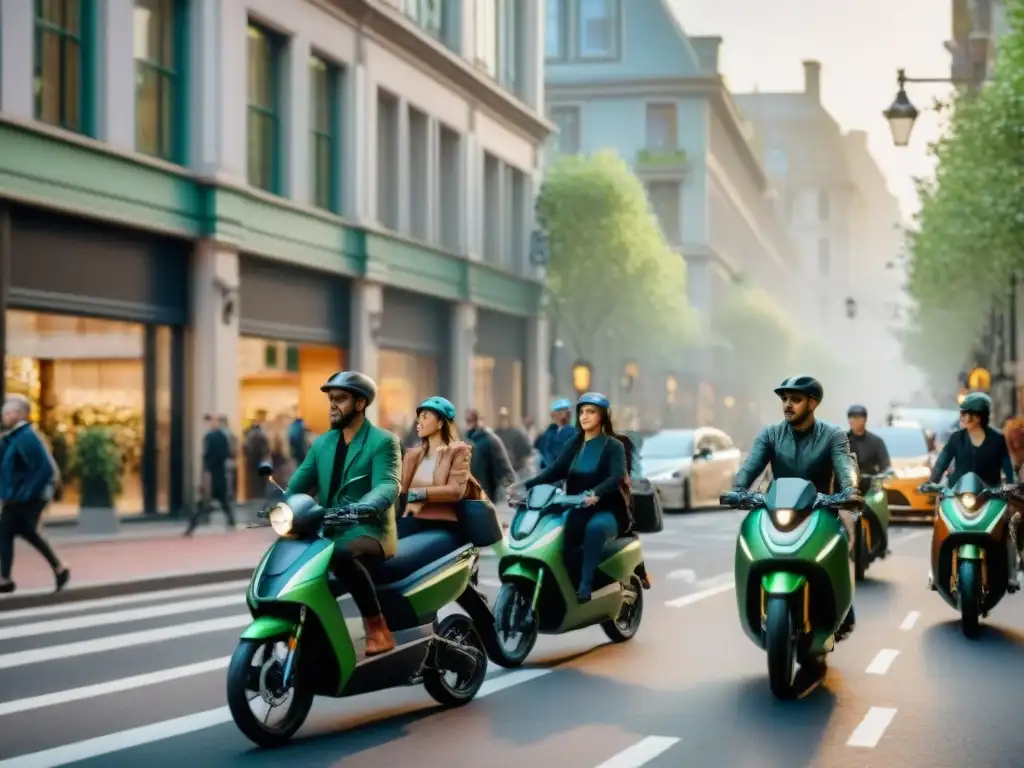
(97, 463)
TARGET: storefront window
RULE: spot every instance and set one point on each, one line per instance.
(280, 381)
(81, 372)
(404, 381)
(497, 384)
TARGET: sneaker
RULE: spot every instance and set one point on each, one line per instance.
(62, 578)
(7, 587)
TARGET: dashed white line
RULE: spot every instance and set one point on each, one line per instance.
(910, 621)
(640, 753)
(116, 642)
(128, 616)
(113, 686)
(696, 597)
(148, 734)
(870, 730)
(882, 661)
(685, 575)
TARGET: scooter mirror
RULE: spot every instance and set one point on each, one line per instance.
(265, 469)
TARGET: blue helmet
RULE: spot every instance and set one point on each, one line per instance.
(593, 398)
(440, 405)
(561, 404)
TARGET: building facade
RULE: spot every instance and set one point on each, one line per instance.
(253, 194)
(626, 76)
(846, 223)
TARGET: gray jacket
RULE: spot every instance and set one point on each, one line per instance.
(821, 457)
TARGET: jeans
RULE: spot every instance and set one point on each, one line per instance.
(22, 519)
(410, 524)
(593, 529)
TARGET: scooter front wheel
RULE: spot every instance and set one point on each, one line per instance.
(861, 556)
(256, 676)
(968, 587)
(781, 647)
(514, 618)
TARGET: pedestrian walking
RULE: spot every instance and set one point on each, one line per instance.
(216, 454)
(27, 482)
(490, 464)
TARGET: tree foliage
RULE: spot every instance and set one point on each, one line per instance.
(609, 266)
(970, 229)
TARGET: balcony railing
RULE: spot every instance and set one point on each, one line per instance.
(661, 159)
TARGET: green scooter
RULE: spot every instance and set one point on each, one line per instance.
(872, 534)
(974, 549)
(305, 640)
(538, 592)
(794, 577)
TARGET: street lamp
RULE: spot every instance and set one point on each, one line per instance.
(901, 114)
(581, 373)
(671, 385)
(851, 307)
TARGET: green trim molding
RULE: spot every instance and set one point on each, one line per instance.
(84, 178)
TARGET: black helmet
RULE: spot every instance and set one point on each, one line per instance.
(977, 402)
(856, 410)
(807, 385)
(355, 383)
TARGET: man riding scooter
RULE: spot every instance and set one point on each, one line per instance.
(869, 448)
(805, 448)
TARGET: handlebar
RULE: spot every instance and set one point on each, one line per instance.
(1006, 492)
(337, 515)
(565, 502)
(741, 500)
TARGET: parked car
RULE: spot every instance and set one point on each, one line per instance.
(912, 462)
(690, 468)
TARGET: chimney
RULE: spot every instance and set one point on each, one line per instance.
(812, 79)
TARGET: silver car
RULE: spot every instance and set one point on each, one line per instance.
(690, 468)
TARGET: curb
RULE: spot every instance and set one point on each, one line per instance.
(100, 590)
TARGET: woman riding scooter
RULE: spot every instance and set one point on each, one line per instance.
(435, 473)
(593, 462)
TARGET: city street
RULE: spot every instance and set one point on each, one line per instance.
(138, 680)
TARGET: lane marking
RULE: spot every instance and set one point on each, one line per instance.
(685, 575)
(490, 583)
(114, 602)
(116, 642)
(639, 754)
(113, 686)
(910, 621)
(685, 600)
(120, 617)
(655, 556)
(882, 661)
(180, 726)
(870, 730)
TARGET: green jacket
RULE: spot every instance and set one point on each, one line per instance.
(371, 476)
(822, 457)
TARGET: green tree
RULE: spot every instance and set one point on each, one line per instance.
(609, 266)
(761, 335)
(970, 229)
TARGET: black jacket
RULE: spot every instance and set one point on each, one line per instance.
(987, 460)
(613, 491)
(490, 464)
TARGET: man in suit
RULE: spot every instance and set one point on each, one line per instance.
(355, 466)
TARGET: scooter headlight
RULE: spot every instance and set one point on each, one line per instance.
(783, 518)
(970, 504)
(281, 518)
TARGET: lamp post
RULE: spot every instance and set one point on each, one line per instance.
(581, 374)
(851, 307)
(902, 114)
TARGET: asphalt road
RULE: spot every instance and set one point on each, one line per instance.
(690, 690)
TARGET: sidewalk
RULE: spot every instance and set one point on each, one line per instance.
(158, 551)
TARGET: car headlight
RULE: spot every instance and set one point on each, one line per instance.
(281, 518)
(913, 473)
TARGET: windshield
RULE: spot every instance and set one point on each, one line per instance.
(904, 442)
(939, 420)
(677, 444)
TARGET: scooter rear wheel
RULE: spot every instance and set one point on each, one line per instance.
(245, 675)
(513, 615)
(781, 648)
(968, 587)
(461, 631)
(625, 626)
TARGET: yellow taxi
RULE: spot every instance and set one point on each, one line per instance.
(912, 463)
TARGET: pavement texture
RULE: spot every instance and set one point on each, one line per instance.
(138, 680)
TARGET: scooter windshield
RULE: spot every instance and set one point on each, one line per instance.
(969, 483)
(790, 493)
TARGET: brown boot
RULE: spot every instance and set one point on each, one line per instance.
(378, 636)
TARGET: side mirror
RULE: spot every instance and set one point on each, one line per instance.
(265, 469)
